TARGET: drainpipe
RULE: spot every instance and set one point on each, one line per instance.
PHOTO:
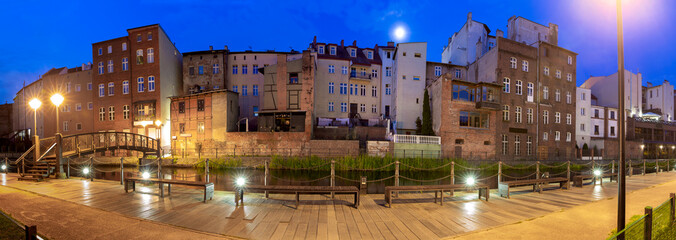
(537, 102)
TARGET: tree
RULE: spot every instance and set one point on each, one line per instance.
(418, 126)
(427, 116)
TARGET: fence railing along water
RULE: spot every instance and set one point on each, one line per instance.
(655, 223)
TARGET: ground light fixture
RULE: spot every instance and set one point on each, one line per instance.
(4, 167)
(240, 182)
(597, 172)
(145, 175)
(85, 171)
(470, 181)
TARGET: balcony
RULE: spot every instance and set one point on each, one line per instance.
(360, 76)
(488, 105)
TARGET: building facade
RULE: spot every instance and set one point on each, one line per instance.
(468, 43)
(202, 118)
(410, 66)
(387, 78)
(633, 102)
(133, 78)
(204, 71)
(659, 100)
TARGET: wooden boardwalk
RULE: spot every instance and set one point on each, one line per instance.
(415, 216)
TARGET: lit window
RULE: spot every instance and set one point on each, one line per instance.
(545, 117)
(505, 145)
(530, 92)
(517, 145)
(545, 93)
(125, 112)
(111, 113)
(557, 117)
(545, 136)
(110, 66)
(517, 114)
(557, 136)
(519, 86)
(569, 136)
(505, 113)
(557, 95)
(139, 56)
(200, 127)
(569, 119)
(255, 110)
(529, 116)
(151, 55)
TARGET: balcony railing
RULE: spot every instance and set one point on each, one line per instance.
(417, 139)
(360, 76)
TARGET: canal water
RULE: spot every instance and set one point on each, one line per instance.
(376, 180)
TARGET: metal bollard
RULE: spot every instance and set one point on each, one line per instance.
(206, 170)
(121, 171)
(91, 169)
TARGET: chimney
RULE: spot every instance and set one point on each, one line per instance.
(449, 40)
(469, 16)
(390, 44)
(314, 41)
(342, 43)
(499, 33)
(354, 44)
(211, 48)
(225, 47)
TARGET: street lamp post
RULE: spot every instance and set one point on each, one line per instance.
(57, 99)
(35, 104)
(158, 134)
(622, 186)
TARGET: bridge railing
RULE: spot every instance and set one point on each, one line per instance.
(90, 142)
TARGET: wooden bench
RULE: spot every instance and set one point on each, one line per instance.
(298, 190)
(130, 183)
(578, 180)
(483, 190)
(503, 187)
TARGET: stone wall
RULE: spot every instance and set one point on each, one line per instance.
(379, 148)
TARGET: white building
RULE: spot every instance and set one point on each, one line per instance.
(526, 31)
(410, 62)
(582, 117)
(660, 97)
(466, 44)
(605, 90)
(387, 58)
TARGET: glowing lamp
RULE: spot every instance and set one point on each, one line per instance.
(35, 103)
(240, 182)
(4, 167)
(470, 181)
(597, 172)
(85, 171)
(158, 123)
(145, 175)
(57, 99)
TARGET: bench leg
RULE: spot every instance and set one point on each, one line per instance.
(161, 189)
(435, 196)
(356, 200)
(297, 199)
(442, 197)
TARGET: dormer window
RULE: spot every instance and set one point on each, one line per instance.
(333, 50)
(369, 55)
(353, 52)
(320, 49)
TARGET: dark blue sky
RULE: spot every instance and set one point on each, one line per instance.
(39, 35)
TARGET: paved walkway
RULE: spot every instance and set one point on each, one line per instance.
(56, 207)
(589, 221)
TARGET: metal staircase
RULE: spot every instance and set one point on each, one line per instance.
(35, 170)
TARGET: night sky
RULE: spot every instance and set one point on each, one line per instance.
(40, 35)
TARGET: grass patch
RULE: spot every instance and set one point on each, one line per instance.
(221, 163)
(9, 230)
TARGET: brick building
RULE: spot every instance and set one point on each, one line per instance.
(202, 118)
(6, 120)
(464, 115)
(204, 71)
(76, 113)
(133, 78)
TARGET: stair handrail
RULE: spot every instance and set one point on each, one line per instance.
(47, 151)
(22, 158)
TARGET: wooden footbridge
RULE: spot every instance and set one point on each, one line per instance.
(49, 154)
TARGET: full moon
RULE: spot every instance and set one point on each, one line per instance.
(399, 32)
